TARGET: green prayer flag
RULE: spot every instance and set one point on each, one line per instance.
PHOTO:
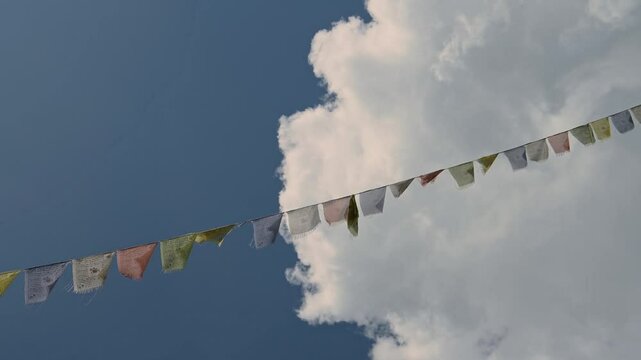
(174, 253)
(486, 162)
(601, 128)
(214, 235)
(6, 278)
(584, 134)
(352, 216)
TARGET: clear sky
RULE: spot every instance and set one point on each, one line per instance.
(128, 122)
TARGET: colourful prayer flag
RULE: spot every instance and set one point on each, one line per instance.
(463, 174)
(584, 134)
(537, 151)
(174, 253)
(516, 157)
(486, 162)
(373, 201)
(400, 187)
(560, 143)
(90, 273)
(303, 220)
(601, 128)
(622, 121)
(265, 230)
(6, 279)
(216, 235)
(428, 178)
(133, 262)
(336, 210)
(636, 111)
(40, 281)
(352, 216)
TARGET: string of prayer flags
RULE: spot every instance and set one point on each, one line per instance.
(486, 162)
(174, 253)
(463, 174)
(622, 121)
(516, 157)
(352, 216)
(133, 262)
(400, 187)
(6, 279)
(636, 111)
(560, 143)
(428, 178)
(304, 220)
(584, 134)
(265, 230)
(537, 151)
(601, 128)
(336, 210)
(373, 201)
(90, 273)
(216, 235)
(40, 281)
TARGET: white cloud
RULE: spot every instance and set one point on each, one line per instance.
(537, 264)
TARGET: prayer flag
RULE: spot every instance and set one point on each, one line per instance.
(214, 235)
(352, 216)
(265, 230)
(560, 143)
(463, 174)
(428, 178)
(516, 157)
(400, 187)
(636, 111)
(373, 201)
(601, 128)
(303, 220)
(584, 134)
(622, 121)
(486, 162)
(39, 281)
(537, 151)
(90, 273)
(6, 278)
(336, 210)
(175, 252)
(133, 262)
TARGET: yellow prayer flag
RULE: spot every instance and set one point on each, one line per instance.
(486, 162)
(6, 278)
(601, 128)
(214, 235)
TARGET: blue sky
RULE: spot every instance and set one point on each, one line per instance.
(125, 123)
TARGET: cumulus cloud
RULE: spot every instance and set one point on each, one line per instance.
(540, 263)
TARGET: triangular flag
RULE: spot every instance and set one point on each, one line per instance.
(301, 221)
(516, 157)
(622, 121)
(463, 174)
(132, 262)
(175, 252)
(39, 281)
(636, 111)
(486, 162)
(560, 143)
(400, 187)
(584, 134)
(216, 235)
(265, 230)
(601, 128)
(373, 201)
(6, 278)
(352, 216)
(336, 210)
(537, 151)
(428, 178)
(90, 273)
